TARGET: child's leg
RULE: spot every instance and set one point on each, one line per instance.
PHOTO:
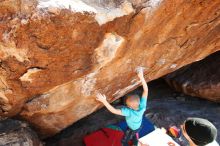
(135, 138)
(126, 137)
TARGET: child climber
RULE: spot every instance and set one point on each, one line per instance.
(133, 112)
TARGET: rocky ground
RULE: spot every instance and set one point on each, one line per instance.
(165, 108)
(199, 79)
(17, 133)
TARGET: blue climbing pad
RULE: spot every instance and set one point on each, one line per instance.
(146, 127)
(112, 134)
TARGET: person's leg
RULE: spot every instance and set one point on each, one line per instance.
(126, 137)
(134, 138)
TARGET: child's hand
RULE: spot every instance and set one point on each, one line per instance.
(140, 72)
(100, 97)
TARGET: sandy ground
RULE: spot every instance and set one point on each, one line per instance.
(165, 108)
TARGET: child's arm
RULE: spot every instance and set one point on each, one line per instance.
(102, 98)
(140, 73)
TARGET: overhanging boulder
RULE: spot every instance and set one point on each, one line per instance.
(55, 55)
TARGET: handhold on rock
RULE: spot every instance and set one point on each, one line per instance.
(140, 69)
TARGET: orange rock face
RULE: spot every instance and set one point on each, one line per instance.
(201, 79)
(56, 55)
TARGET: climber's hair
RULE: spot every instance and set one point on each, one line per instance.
(133, 98)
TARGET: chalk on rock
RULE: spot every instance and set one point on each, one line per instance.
(139, 69)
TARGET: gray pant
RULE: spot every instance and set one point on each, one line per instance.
(130, 134)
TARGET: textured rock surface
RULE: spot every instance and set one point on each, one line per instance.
(165, 108)
(56, 55)
(201, 79)
(17, 133)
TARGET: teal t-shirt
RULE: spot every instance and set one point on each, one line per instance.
(134, 117)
